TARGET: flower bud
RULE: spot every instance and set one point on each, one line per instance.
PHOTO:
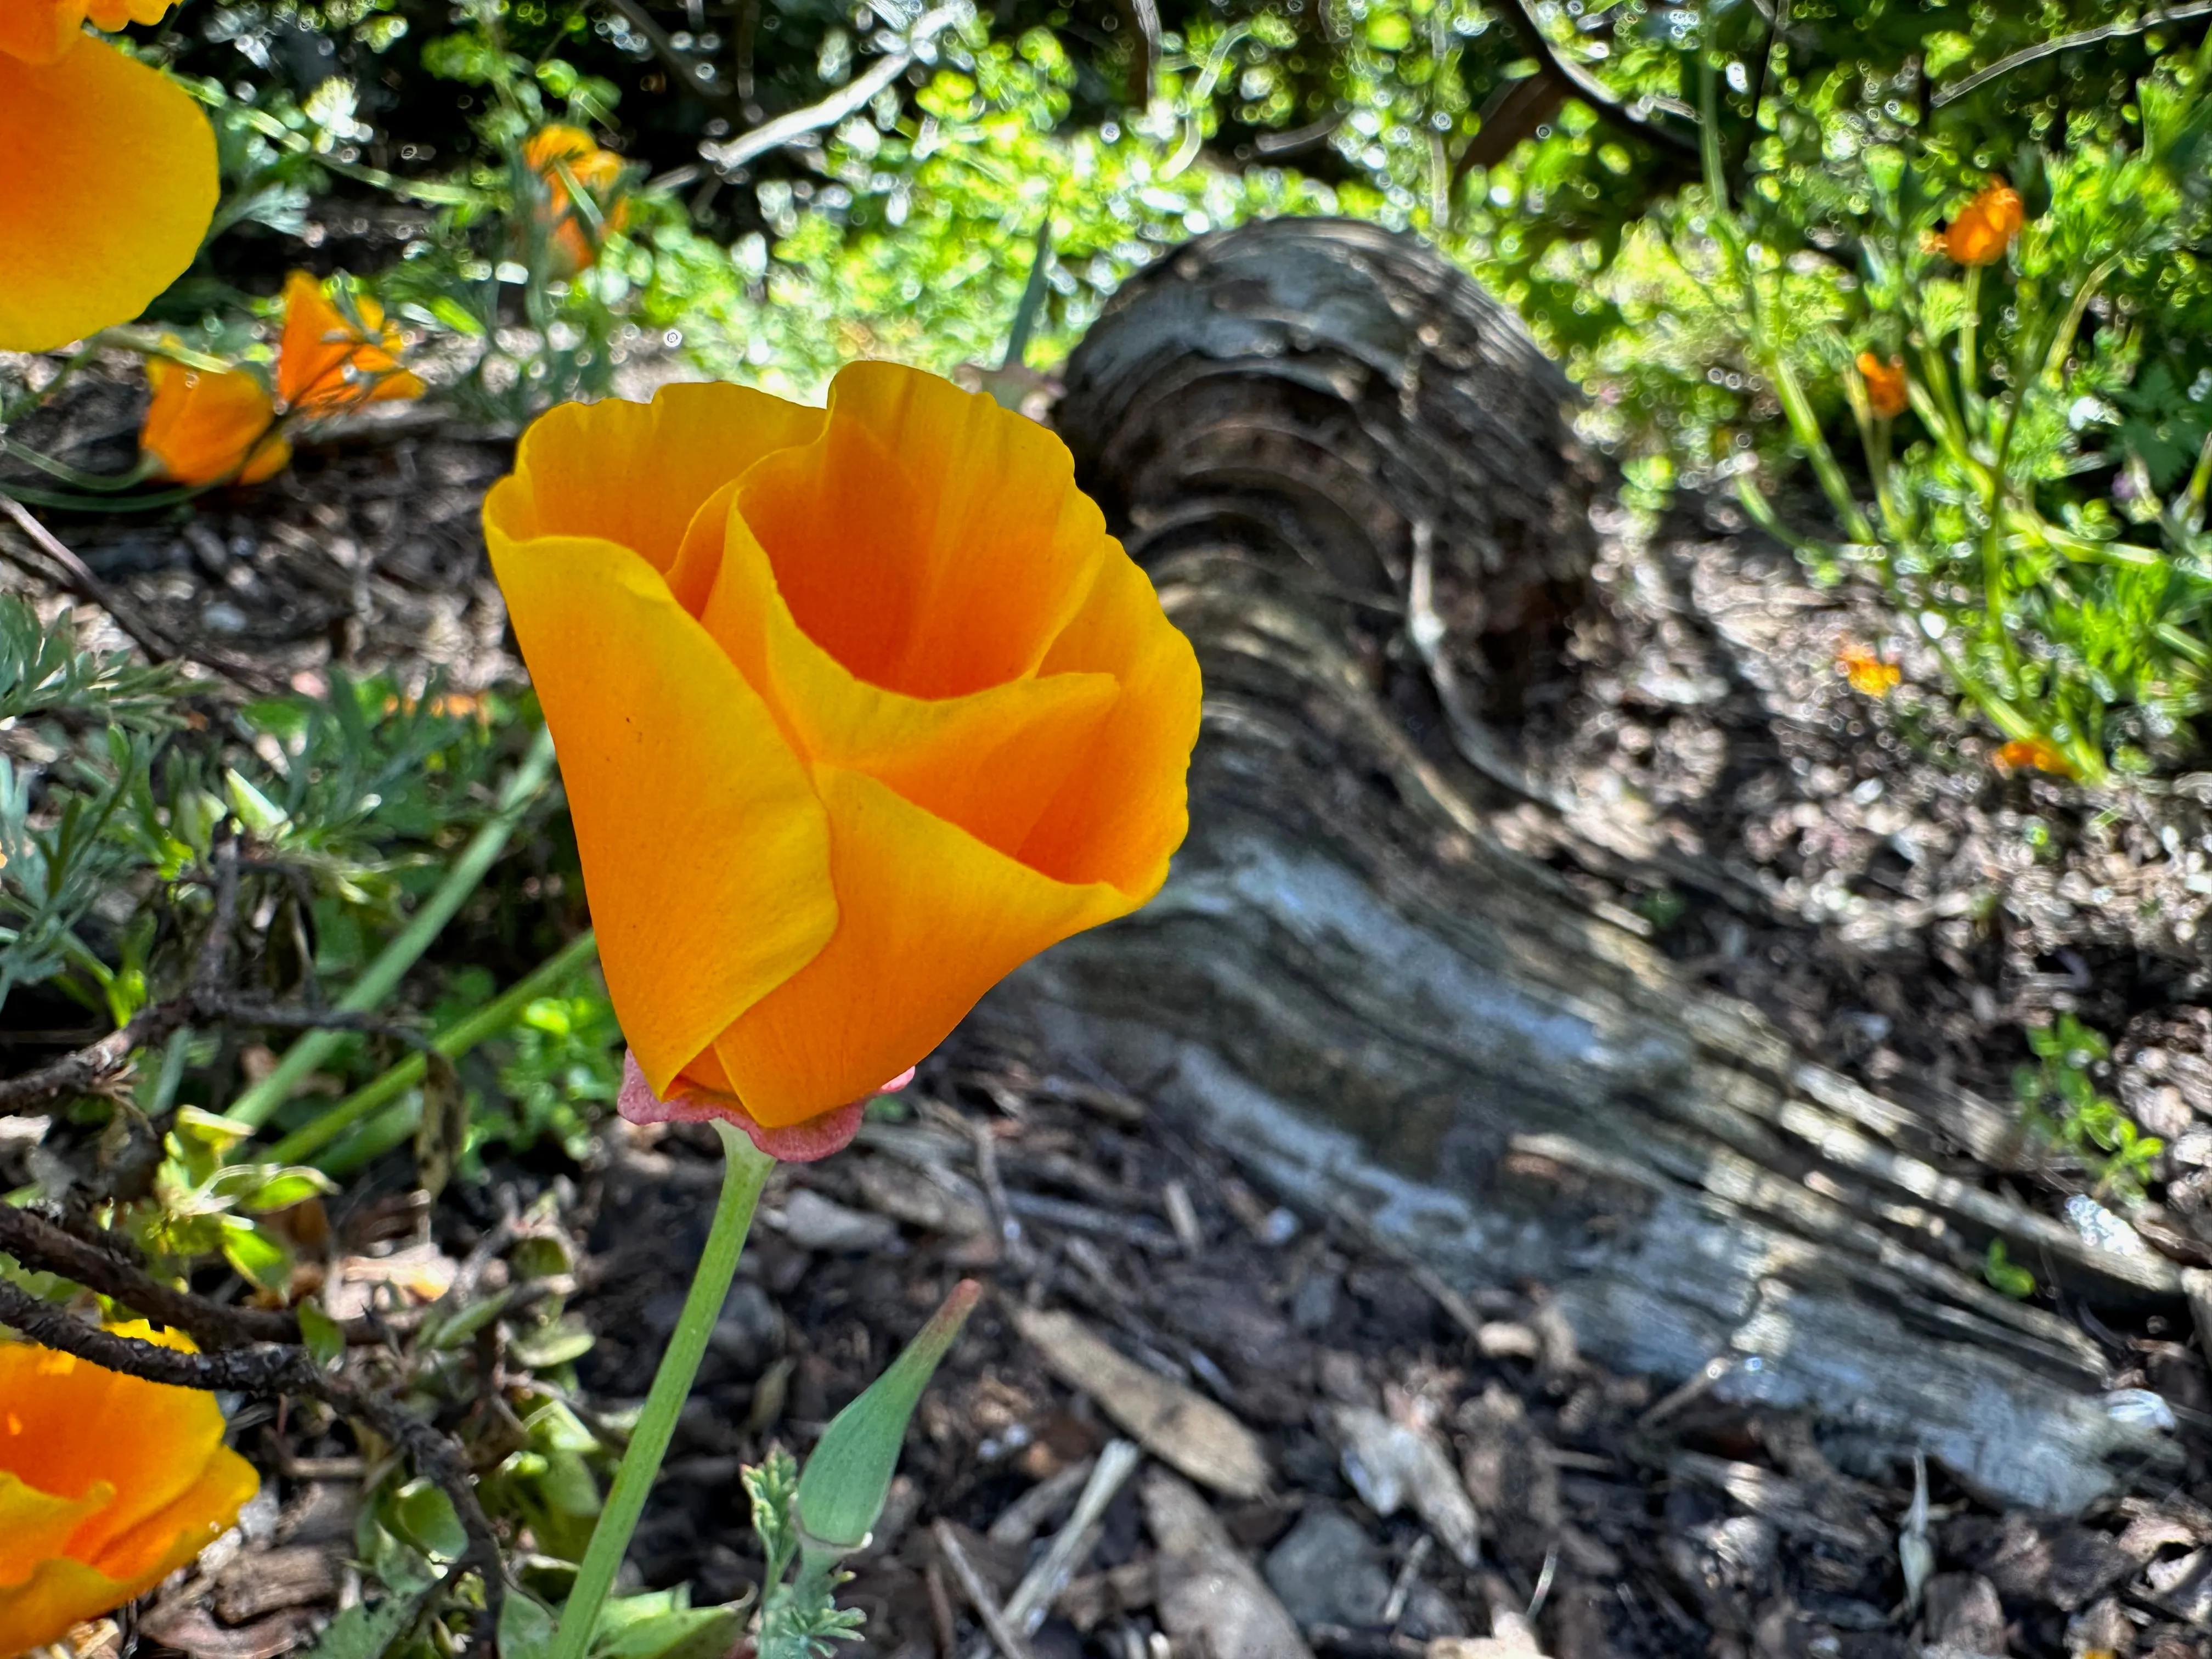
(849, 1476)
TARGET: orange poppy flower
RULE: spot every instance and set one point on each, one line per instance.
(2039, 754)
(107, 173)
(205, 427)
(1885, 385)
(550, 152)
(1868, 674)
(1983, 231)
(326, 363)
(108, 1484)
(857, 709)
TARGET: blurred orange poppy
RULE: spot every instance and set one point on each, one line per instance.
(559, 154)
(108, 1484)
(1868, 674)
(2039, 754)
(857, 709)
(1983, 231)
(204, 426)
(327, 362)
(107, 173)
(1887, 394)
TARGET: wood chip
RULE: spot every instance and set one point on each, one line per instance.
(928, 1200)
(1183, 1430)
(194, 1631)
(264, 1581)
(1208, 1595)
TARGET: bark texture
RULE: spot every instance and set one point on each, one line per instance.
(1354, 478)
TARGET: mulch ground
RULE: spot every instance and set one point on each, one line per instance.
(1853, 866)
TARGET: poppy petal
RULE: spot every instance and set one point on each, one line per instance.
(110, 183)
(635, 474)
(37, 1524)
(1125, 810)
(930, 919)
(203, 426)
(990, 761)
(705, 850)
(929, 541)
(40, 30)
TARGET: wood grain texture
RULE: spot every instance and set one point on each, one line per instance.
(1352, 983)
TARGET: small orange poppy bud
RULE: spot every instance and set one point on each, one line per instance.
(108, 179)
(205, 426)
(857, 707)
(1984, 230)
(1885, 385)
(108, 1484)
(1868, 674)
(2039, 754)
(327, 362)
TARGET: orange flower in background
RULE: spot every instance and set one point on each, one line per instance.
(1983, 231)
(107, 173)
(858, 708)
(1887, 394)
(204, 427)
(2037, 754)
(558, 154)
(1868, 674)
(108, 1484)
(327, 362)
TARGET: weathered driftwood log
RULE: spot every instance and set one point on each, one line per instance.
(1349, 471)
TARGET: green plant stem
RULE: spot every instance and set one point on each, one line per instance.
(382, 977)
(744, 1173)
(456, 1040)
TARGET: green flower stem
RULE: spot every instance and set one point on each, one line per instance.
(743, 1176)
(456, 1040)
(382, 977)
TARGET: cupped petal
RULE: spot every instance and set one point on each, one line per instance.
(67, 1426)
(929, 918)
(635, 474)
(108, 182)
(112, 14)
(35, 1525)
(39, 31)
(60, 1593)
(990, 762)
(930, 541)
(1125, 809)
(203, 426)
(156, 1545)
(706, 852)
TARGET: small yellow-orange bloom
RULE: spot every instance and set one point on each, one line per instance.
(327, 362)
(1983, 231)
(107, 1486)
(558, 155)
(857, 709)
(1887, 394)
(2038, 754)
(107, 173)
(205, 426)
(1868, 674)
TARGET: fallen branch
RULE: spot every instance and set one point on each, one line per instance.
(47, 1246)
(81, 581)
